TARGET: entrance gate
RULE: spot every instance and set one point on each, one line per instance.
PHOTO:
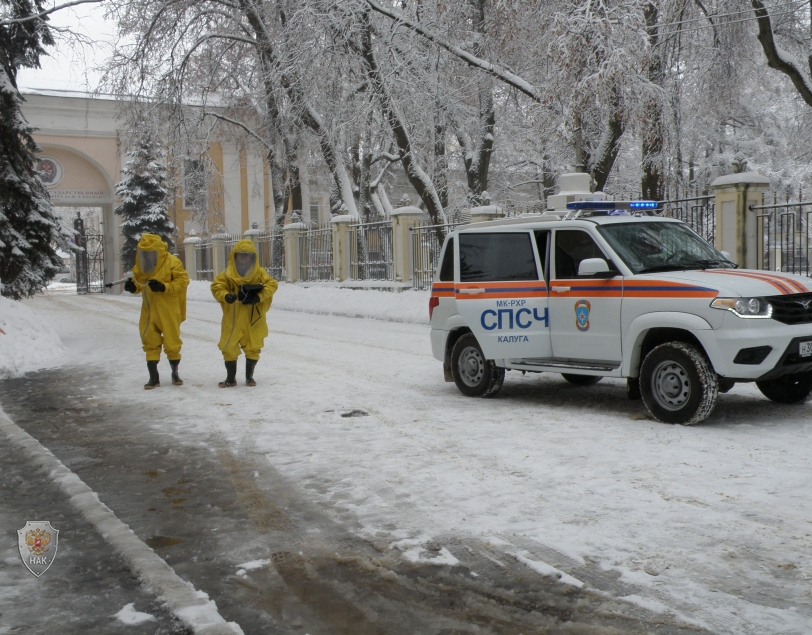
(89, 261)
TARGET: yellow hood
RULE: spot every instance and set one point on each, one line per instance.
(242, 246)
(162, 272)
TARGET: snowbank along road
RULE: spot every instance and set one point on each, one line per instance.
(353, 491)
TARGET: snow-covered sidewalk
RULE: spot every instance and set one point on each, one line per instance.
(711, 522)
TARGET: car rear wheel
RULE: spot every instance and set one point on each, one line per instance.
(678, 384)
(581, 380)
(794, 388)
(474, 375)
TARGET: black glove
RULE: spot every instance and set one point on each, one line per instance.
(130, 286)
(248, 293)
(156, 286)
(230, 298)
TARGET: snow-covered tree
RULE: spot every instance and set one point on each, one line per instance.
(143, 194)
(29, 232)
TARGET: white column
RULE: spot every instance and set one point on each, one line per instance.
(403, 219)
(292, 259)
(190, 248)
(342, 251)
(232, 192)
(736, 226)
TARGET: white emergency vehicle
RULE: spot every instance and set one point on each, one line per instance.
(608, 291)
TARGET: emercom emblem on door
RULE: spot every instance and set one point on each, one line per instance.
(582, 308)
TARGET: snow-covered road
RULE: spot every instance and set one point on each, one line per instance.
(711, 523)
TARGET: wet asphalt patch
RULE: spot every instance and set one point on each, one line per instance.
(205, 510)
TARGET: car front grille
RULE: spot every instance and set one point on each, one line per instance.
(792, 309)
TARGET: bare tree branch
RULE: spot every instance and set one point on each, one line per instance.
(42, 14)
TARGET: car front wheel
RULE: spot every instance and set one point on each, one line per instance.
(794, 388)
(474, 375)
(678, 384)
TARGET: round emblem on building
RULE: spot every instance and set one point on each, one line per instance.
(50, 170)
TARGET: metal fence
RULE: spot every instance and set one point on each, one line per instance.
(316, 253)
(427, 242)
(371, 252)
(698, 212)
(783, 237)
(204, 262)
(271, 248)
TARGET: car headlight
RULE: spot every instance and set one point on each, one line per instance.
(745, 307)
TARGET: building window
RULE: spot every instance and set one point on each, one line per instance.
(194, 184)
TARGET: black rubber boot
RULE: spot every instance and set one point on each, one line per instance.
(231, 375)
(250, 364)
(154, 380)
(176, 380)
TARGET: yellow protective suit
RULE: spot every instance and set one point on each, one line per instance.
(244, 326)
(161, 312)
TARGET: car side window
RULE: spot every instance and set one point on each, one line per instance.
(496, 257)
(447, 268)
(571, 247)
(542, 243)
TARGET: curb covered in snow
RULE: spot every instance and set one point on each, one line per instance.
(192, 607)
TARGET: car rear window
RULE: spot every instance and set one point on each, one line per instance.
(497, 256)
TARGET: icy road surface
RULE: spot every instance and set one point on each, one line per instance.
(707, 526)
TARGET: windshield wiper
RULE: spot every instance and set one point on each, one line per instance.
(691, 264)
(673, 267)
(707, 263)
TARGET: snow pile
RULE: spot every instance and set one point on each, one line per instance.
(26, 342)
(408, 306)
(129, 616)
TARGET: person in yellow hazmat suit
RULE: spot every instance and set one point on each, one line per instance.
(245, 291)
(161, 280)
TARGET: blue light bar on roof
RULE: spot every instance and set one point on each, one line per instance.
(642, 204)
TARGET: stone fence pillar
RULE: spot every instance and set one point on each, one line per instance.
(737, 230)
(342, 249)
(485, 213)
(292, 257)
(218, 252)
(190, 250)
(252, 235)
(403, 220)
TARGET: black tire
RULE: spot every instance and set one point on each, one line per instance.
(474, 375)
(678, 384)
(581, 380)
(794, 388)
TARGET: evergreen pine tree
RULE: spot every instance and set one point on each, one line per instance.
(144, 196)
(29, 232)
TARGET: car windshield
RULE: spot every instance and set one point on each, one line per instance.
(661, 246)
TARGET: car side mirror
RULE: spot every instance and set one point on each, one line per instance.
(726, 255)
(595, 268)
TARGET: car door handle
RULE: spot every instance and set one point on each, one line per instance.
(470, 291)
(560, 289)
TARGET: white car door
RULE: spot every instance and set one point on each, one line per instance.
(584, 312)
(501, 293)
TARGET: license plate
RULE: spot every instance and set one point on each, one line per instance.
(805, 349)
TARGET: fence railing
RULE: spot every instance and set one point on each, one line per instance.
(271, 248)
(698, 212)
(783, 237)
(371, 251)
(427, 241)
(204, 269)
(316, 253)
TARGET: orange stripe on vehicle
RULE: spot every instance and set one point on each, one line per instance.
(778, 282)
